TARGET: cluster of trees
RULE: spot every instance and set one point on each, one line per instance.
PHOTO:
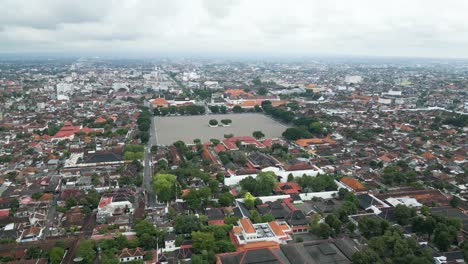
(277, 113)
(144, 123)
(237, 109)
(331, 226)
(226, 199)
(262, 185)
(186, 173)
(87, 251)
(210, 240)
(225, 122)
(134, 152)
(5, 158)
(164, 186)
(392, 247)
(388, 245)
(34, 252)
(295, 133)
(181, 110)
(317, 184)
(309, 94)
(187, 152)
(305, 127)
(334, 223)
(56, 253)
(90, 122)
(251, 202)
(442, 230)
(195, 199)
(232, 156)
(395, 175)
(218, 109)
(311, 125)
(53, 128)
(362, 135)
(147, 237)
(88, 203)
(457, 120)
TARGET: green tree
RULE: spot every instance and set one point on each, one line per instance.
(294, 133)
(372, 226)
(226, 121)
(214, 109)
(86, 251)
(258, 134)
(255, 217)
(262, 91)
(213, 122)
(163, 186)
(225, 246)
(266, 182)
(203, 241)
(223, 109)
(346, 209)
(366, 256)
(148, 235)
(316, 128)
(237, 109)
(33, 252)
(248, 184)
(249, 200)
(267, 218)
(186, 224)
(335, 223)
(56, 255)
(226, 199)
(455, 201)
(36, 195)
(403, 214)
(323, 230)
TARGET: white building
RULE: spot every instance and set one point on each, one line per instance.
(274, 231)
(114, 205)
(211, 84)
(385, 101)
(64, 88)
(282, 172)
(127, 255)
(353, 79)
(407, 201)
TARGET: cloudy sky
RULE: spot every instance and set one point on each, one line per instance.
(419, 28)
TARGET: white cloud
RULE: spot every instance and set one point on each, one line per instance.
(301, 27)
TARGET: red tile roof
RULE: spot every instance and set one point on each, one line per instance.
(353, 184)
(299, 166)
(247, 226)
(287, 188)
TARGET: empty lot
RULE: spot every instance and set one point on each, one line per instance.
(188, 128)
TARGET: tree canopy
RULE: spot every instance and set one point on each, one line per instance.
(163, 186)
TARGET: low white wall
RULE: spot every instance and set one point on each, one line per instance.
(234, 180)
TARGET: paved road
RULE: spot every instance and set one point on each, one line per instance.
(148, 172)
(51, 216)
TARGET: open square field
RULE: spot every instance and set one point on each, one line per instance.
(188, 128)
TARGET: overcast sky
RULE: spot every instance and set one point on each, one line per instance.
(419, 28)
